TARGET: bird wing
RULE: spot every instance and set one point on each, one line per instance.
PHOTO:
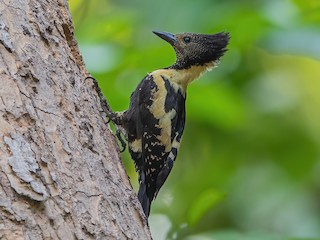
(156, 118)
(175, 102)
(162, 115)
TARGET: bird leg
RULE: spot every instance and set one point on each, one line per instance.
(115, 117)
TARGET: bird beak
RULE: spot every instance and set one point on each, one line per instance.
(170, 38)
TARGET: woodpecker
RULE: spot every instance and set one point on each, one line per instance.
(154, 122)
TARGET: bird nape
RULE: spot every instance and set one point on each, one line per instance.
(154, 123)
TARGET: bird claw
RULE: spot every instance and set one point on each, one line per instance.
(104, 104)
(111, 116)
(119, 131)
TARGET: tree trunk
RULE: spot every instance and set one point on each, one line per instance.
(60, 172)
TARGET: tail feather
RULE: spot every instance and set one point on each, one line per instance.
(144, 199)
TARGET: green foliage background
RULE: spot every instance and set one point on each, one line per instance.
(248, 167)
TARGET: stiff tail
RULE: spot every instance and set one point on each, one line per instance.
(144, 199)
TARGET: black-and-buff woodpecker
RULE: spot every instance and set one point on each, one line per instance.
(155, 120)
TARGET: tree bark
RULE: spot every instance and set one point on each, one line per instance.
(61, 176)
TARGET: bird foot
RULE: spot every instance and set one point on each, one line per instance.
(114, 117)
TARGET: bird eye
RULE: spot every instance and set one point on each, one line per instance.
(187, 39)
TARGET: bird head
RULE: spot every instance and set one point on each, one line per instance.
(196, 49)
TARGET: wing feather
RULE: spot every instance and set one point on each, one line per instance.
(156, 121)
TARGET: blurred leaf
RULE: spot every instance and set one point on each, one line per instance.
(203, 203)
(215, 104)
(309, 8)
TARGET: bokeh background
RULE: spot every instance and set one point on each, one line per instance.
(248, 166)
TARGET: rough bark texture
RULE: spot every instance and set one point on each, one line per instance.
(60, 172)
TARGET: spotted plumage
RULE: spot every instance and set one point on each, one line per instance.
(155, 120)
